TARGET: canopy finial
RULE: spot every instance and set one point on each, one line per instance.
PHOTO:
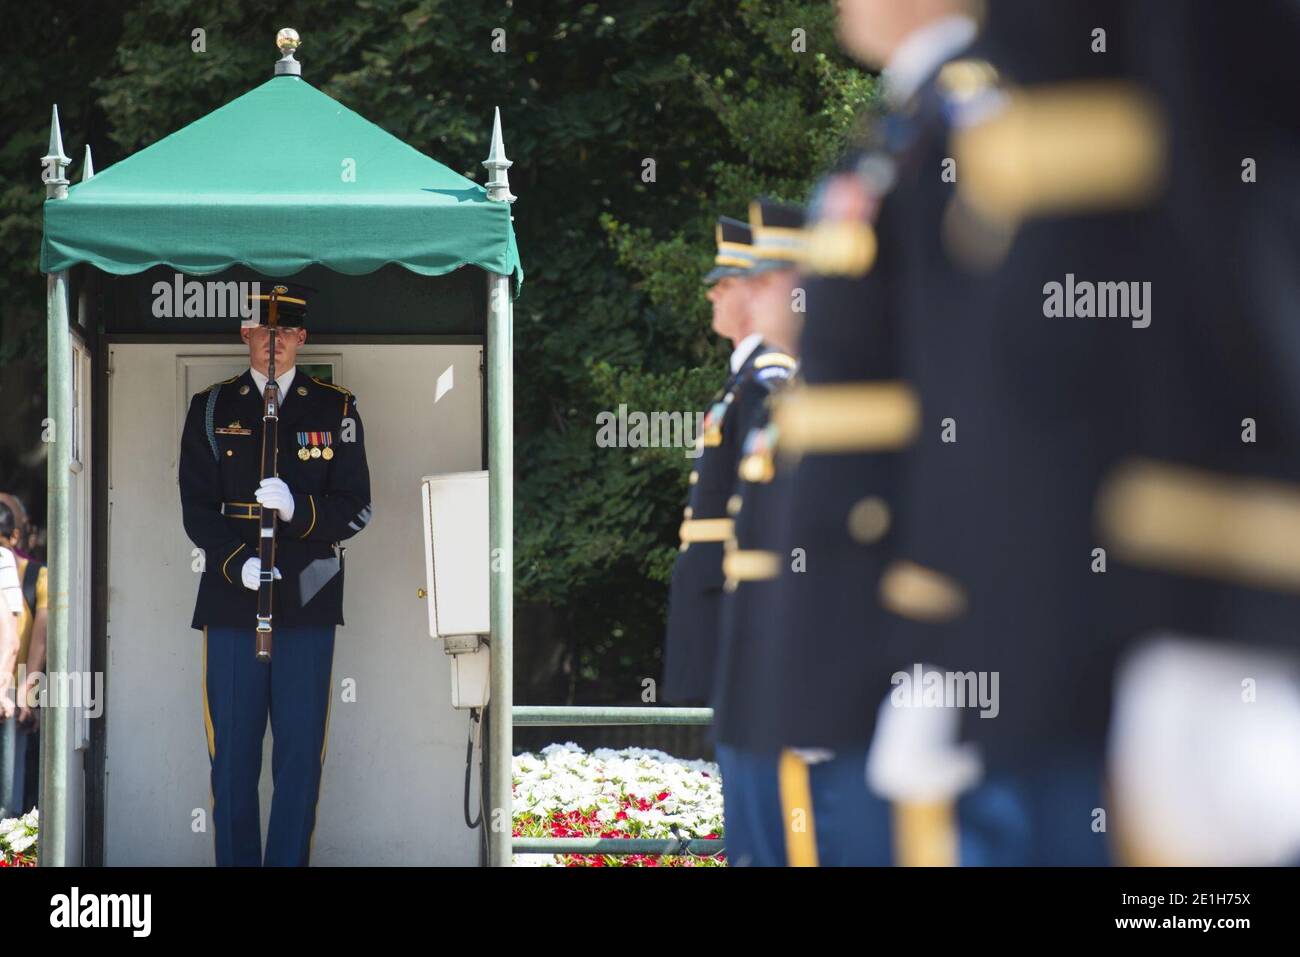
(498, 184)
(87, 165)
(55, 162)
(288, 42)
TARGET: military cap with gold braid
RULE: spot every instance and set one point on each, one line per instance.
(291, 304)
(779, 238)
(735, 250)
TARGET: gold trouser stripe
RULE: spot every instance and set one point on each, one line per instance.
(207, 711)
(922, 594)
(211, 735)
(1188, 520)
(324, 745)
(797, 810)
(1063, 148)
(706, 530)
(312, 501)
(847, 417)
(227, 562)
(925, 834)
(750, 565)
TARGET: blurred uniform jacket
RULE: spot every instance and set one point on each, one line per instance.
(695, 595)
(1023, 412)
(1203, 518)
(220, 469)
(822, 661)
(745, 683)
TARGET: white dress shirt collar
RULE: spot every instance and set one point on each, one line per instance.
(743, 350)
(922, 53)
(284, 380)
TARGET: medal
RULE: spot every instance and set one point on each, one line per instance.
(315, 453)
(304, 454)
(327, 453)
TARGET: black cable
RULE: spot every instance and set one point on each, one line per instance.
(469, 767)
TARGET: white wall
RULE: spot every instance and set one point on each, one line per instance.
(394, 772)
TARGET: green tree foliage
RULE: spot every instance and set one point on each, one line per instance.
(612, 311)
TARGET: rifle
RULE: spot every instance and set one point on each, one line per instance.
(269, 516)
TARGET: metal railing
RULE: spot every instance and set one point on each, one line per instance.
(533, 716)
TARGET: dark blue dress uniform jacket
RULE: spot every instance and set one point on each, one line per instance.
(220, 463)
(1040, 405)
(1224, 342)
(695, 596)
(745, 685)
(827, 668)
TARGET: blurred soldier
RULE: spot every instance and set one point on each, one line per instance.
(745, 687)
(695, 596)
(1202, 520)
(843, 430)
(1023, 412)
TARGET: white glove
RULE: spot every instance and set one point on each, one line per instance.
(273, 493)
(252, 574)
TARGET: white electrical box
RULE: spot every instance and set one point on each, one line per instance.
(456, 568)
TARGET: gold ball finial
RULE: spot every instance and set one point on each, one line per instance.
(287, 40)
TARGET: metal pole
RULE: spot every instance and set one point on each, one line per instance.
(56, 730)
(501, 467)
(56, 738)
(500, 338)
(543, 716)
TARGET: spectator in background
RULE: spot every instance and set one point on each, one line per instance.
(8, 631)
(26, 543)
(33, 578)
(24, 584)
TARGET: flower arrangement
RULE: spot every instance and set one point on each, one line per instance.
(568, 792)
(18, 838)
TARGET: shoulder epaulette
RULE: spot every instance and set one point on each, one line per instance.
(215, 384)
(774, 359)
(330, 385)
(347, 396)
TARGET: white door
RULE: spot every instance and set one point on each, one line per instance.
(394, 771)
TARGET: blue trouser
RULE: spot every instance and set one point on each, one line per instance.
(1040, 814)
(751, 807)
(239, 693)
(849, 825)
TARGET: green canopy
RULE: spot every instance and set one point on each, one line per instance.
(278, 179)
